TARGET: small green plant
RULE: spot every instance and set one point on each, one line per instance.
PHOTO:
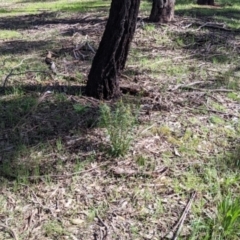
(226, 224)
(54, 229)
(234, 96)
(229, 217)
(61, 97)
(150, 27)
(119, 124)
(141, 161)
(159, 206)
(79, 108)
(216, 119)
(59, 144)
(23, 174)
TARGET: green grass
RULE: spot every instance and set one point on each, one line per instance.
(53, 229)
(9, 34)
(224, 225)
(119, 124)
(31, 7)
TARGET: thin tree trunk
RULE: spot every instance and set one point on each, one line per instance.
(162, 11)
(111, 56)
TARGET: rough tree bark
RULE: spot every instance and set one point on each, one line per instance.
(111, 56)
(162, 11)
(205, 2)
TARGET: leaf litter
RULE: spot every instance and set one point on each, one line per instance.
(72, 189)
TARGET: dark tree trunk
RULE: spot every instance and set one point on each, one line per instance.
(162, 11)
(205, 2)
(111, 56)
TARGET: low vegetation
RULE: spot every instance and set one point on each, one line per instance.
(162, 162)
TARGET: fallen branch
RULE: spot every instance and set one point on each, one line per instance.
(188, 86)
(214, 25)
(177, 228)
(183, 217)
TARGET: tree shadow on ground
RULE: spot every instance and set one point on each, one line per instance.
(216, 25)
(210, 13)
(21, 47)
(33, 21)
(211, 46)
(210, 34)
(40, 128)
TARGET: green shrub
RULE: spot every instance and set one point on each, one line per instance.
(119, 124)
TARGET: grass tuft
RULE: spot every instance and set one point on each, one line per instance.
(119, 125)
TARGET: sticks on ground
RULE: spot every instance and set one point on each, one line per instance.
(10, 230)
(21, 73)
(177, 228)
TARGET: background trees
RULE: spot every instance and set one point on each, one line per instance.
(162, 11)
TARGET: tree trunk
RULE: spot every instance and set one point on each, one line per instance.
(111, 56)
(162, 11)
(205, 2)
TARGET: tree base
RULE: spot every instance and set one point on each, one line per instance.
(162, 11)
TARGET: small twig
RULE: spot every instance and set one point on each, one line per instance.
(40, 99)
(11, 231)
(6, 78)
(78, 55)
(146, 129)
(201, 89)
(187, 26)
(218, 90)
(203, 25)
(182, 86)
(91, 100)
(67, 175)
(178, 226)
(91, 48)
(11, 74)
(214, 111)
(213, 25)
(127, 77)
(105, 226)
(21, 73)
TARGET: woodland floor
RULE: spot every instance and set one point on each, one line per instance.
(57, 180)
